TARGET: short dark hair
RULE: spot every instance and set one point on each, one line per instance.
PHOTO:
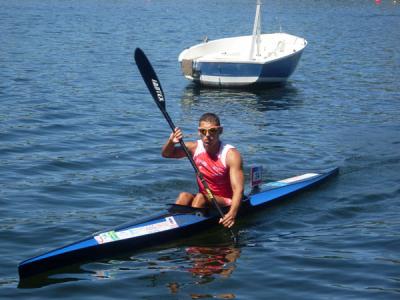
(211, 118)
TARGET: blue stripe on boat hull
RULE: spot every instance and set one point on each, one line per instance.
(275, 71)
(229, 69)
(281, 68)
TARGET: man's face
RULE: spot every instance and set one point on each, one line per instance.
(209, 133)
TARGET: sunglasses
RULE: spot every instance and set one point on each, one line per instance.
(211, 131)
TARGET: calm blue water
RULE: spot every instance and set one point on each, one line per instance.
(81, 138)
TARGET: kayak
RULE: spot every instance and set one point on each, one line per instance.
(175, 222)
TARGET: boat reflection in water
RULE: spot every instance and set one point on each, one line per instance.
(276, 98)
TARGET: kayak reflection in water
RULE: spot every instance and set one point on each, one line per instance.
(220, 164)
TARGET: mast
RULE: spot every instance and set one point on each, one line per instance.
(256, 40)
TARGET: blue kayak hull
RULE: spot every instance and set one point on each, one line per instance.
(175, 223)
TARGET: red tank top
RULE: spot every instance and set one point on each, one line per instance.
(214, 170)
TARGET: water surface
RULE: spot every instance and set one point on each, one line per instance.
(81, 138)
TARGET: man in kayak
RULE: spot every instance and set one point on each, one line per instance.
(221, 165)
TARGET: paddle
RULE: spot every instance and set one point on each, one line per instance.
(154, 86)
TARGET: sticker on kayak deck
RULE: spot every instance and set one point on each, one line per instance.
(298, 178)
(110, 236)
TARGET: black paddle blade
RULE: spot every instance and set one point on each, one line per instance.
(150, 78)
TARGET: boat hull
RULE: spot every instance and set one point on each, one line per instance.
(175, 223)
(228, 74)
(227, 62)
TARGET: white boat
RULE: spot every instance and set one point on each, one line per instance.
(257, 59)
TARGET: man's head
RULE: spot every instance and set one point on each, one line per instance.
(209, 129)
(210, 118)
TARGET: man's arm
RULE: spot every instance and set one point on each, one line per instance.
(235, 163)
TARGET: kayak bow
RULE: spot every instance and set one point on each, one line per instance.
(176, 222)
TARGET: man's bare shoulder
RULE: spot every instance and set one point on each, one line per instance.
(233, 157)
